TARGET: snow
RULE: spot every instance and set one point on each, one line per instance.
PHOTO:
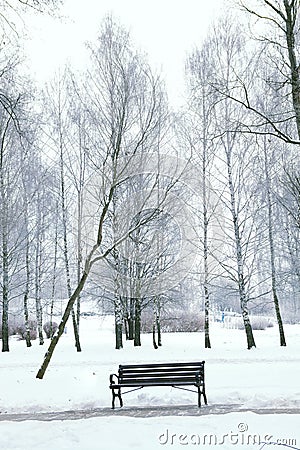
(264, 378)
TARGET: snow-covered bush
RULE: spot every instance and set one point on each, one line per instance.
(260, 323)
(174, 321)
(21, 330)
(50, 328)
(257, 323)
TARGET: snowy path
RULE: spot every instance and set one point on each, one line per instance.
(143, 412)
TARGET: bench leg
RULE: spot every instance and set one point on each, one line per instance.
(199, 396)
(204, 396)
(114, 395)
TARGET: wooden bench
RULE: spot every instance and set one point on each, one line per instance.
(177, 375)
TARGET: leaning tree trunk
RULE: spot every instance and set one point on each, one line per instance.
(78, 290)
(61, 327)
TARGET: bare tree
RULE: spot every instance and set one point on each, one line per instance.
(126, 106)
(199, 137)
(58, 101)
(281, 41)
(235, 160)
(12, 12)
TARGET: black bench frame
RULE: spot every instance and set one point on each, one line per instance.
(175, 375)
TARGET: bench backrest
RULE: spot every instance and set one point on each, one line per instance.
(162, 373)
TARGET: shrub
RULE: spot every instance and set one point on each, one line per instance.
(50, 328)
(175, 321)
(21, 330)
(257, 323)
(260, 323)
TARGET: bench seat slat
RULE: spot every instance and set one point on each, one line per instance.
(166, 365)
(161, 370)
(126, 375)
(157, 379)
(157, 383)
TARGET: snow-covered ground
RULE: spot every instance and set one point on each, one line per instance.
(265, 377)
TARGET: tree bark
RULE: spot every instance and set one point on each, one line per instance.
(239, 256)
(291, 9)
(207, 343)
(118, 322)
(5, 276)
(272, 250)
(38, 262)
(61, 327)
(137, 323)
(26, 293)
(65, 239)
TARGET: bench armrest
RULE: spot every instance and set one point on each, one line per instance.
(111, 379)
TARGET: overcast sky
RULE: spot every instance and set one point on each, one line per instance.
(165, 29)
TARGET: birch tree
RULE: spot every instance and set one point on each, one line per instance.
(60, 139)
(199, 137)
(126, 106)
(16, 150)
(235, 160)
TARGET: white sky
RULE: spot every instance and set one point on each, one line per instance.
(165, 29)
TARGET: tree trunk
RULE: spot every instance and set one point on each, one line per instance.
(38, 262)
(62, 325)
(290, 34)
(4, 256)
(205, 259)
(26, 293)
(65, 248)
(272, 251)
(118, 322)
(5, 276)
(239, 256)
(54, 270)
(137, 323)
(131, 320)
(155, 345)
(79, 249)
(156, 323)
(206, 318)
(5, 330)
